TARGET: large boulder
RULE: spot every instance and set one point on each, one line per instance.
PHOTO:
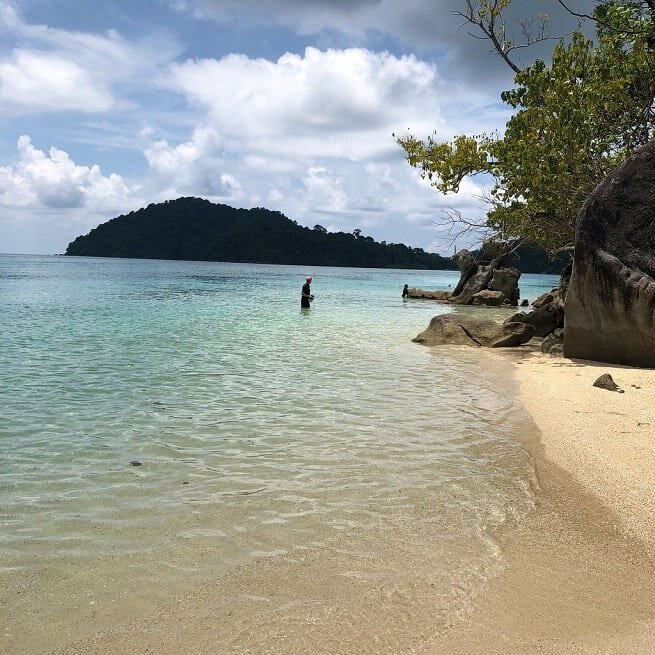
(610, 302)
(476, 277)
(489, 298)
(475, 283)
(414, 292)
(467, 330)
(467, 265)
(506, 280)
(545, 319)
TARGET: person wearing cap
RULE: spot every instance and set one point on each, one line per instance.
(306, 293)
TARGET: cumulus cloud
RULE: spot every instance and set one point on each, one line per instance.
(308, 133)
(311, 135)
(53, 181)
(50, 69)
(311, 103)
(416, 24)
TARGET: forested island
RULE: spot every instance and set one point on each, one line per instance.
(198, 230)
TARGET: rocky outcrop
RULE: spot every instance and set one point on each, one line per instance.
(610, 303)
(476, 278)
(467, 330)
(491, 284)
(441, 296)
(506, 280)
(553, 344)
(545, 319)
(489, 298)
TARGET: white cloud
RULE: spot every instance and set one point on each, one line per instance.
(53, 181)
(312, 135)
(33, 81)
(60, 70)
(309, 134)
(418, 24)
(336, 103)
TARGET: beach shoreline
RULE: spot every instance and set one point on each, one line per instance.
(577, 573)
(580, 571)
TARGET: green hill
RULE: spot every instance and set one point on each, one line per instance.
(196, 229)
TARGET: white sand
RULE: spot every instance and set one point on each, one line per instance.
(604, 439)
(580, 572)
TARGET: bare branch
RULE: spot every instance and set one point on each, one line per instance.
(490, 21)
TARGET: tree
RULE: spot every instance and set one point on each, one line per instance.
(575, 120)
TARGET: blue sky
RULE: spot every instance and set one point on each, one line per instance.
(108, 106)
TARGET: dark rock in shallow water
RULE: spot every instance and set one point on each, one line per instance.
(466, 330)
(545, 318)
(135, 462)
(610, 303)
(442, 296)
(506, 280)
(489, 298)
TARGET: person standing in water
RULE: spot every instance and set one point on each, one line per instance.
(405, 291)
(306, 293)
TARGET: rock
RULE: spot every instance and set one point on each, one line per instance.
(545, 318)
(463, 329)
(474, 284)
(467, 267)
(506, 280)
(135, 462)
(610, 301)
(442, 296)
(545, 298)
(490, 298)
(564, 281)
(524, 302)
(605, 381)
(553, 344)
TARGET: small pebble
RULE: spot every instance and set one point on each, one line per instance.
(135, 462)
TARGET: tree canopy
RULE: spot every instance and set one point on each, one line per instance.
(196, 229)
(576, 119)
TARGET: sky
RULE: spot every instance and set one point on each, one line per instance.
(291, 105)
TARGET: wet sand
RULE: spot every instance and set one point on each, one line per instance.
(578, 575)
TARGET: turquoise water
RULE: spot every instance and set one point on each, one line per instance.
(259, 428)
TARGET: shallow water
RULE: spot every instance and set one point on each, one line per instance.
(260, 429)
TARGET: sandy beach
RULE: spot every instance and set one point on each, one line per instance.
(581, 573)
(605, 440)
(578, 573)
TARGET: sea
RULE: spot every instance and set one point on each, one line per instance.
(169, 425)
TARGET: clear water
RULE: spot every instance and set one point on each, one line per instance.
(260, 428)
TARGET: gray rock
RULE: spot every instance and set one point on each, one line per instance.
(463, 329)
(610, 301)
(475, 283)
(553, 344)
(506, 280)
(489, 298)
(605, 381)
(467, 266)
(442, 296)
(545, 298)
(545, 319)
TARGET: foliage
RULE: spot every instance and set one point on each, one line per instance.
(196, 229)
(575, 120)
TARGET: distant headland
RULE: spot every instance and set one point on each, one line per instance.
(198, 230)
